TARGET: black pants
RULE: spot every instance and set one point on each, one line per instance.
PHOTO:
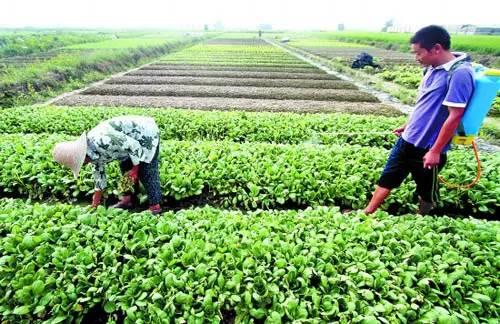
(149, 176)
(405, 158)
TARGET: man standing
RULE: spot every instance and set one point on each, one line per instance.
(443, 95)
(133, 141)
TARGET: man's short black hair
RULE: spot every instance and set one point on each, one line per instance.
(431, 35)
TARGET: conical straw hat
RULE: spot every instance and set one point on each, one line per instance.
(71, 154)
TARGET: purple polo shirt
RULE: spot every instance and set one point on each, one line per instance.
(434, 98)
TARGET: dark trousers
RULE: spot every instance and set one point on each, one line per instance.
(149, 176)
(405, 159)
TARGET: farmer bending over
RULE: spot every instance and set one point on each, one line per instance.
(443, 94)
(132, 140)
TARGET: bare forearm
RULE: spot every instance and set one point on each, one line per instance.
(445, 134)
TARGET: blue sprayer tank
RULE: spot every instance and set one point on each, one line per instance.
(486, 87)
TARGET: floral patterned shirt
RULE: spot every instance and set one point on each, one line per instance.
(121, 138)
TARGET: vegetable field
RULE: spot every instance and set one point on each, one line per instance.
(208, 265)
(81, 59)
(266, 162)
(483, 44)
(390, 51)
(247, 74)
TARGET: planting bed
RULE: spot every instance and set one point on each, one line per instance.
(262, 218)
(232, 92)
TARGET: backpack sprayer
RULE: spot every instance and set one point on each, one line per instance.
(486, 86)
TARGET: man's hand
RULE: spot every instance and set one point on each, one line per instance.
(399, 131)
(96, 198)
(133, 174)
(431, 159)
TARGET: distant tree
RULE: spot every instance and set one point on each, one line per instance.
(340, 27)
(467, 29)
(388, 23)
(206, 27)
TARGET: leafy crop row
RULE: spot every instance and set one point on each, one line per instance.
(251, 175)
(285, 128)
(405, 75)
(206, 265)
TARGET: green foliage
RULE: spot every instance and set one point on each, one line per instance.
(179, 124)
(484, 44)
(254, 54)
(406, 75)
(250, 175)
(490, 130)
(24, 84)
(312, 42)
(495, 109)
(18, 43)
(127, 43)
(59, 261)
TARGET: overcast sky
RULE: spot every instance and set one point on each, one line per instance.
(291, 14)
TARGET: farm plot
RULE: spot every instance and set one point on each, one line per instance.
(235, 41)
(254, 82)
(235, 74)
(269, 62)
(260, 53)
(485, 44)
(250, 175)
(240, 74)
(193, 125)
(346, 52)
(383, 57)
(260, 221)
(232, 92)
(28, 59)
(398, 75)
(241, 67)
(20, 44)
(25, 80)
(214, 103)
(397, 67)
(212, 265)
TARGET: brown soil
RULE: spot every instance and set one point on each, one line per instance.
(235, 61)
(232, 92)
(236, 82)
(233, 56)
(236, 74)
(252, 68)
(350, 53)
(200, 103)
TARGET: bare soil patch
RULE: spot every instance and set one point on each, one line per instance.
(232, 92)
(236, 74)
(214, 103)
(236, 82)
